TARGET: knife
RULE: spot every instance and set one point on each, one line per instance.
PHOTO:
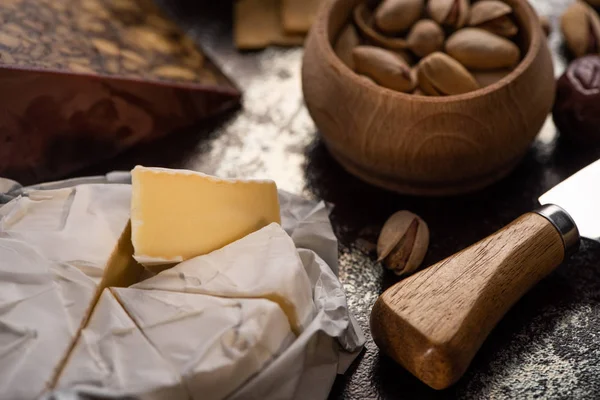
(434, 321)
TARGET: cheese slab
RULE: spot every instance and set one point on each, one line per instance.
(257, 24)
(264, 264)
(297, 16)
(215, 344)
(113, 357)
(178, 214)
(77, 226)
(35, 330)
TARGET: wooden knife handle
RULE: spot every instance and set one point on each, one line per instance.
(433, 322)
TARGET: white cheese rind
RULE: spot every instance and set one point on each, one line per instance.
(35, 331)
(215, 344)
(113, 356)
(264, 264)
(77, 226)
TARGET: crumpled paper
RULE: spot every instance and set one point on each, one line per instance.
(329, 344)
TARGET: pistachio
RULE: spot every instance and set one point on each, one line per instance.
(363, 19)
(482, 50)
(425, 37)
(440, 75)
(487, 78)
(386, 68)
(581, 27)
(450, 13)
(493, 16)
(347, 40)
(393, 16)
(403, 242)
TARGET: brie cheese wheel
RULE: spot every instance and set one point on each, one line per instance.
(215, 344)
(178, 214)
(112, 356)
(264, 264)
(77, 226)
(35, 328)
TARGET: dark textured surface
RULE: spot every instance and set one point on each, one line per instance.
(547, 346)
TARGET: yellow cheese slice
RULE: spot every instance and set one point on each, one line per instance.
(178, 214)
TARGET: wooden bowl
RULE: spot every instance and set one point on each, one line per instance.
(426, 145)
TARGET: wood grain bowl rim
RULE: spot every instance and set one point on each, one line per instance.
(526, 19)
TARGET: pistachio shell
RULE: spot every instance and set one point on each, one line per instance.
(482, 50)
(487, 10)
(503, 26)
(386, 68)
(440, 74)
(581, 28)
(346, 41)
(363, 18)
(487, 78)
(403, 242)
(425, 37)
(367, 80)
(393, 16)
(450, 13)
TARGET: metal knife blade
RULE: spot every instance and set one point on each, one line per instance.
(579, 196)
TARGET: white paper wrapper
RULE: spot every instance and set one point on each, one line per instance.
(328, 344)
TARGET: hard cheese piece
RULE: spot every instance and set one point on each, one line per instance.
(77, 226)
(215, 344)
(257, 24)
(264, 264)
(35, 331)
(297, 16)
(178, 214)
(114, 358)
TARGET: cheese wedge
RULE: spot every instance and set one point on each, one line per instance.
(264, 264)
(215, 344)
(35, 329)
(113, 358)
(177, 215)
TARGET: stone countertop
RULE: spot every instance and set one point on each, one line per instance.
(547, 346)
